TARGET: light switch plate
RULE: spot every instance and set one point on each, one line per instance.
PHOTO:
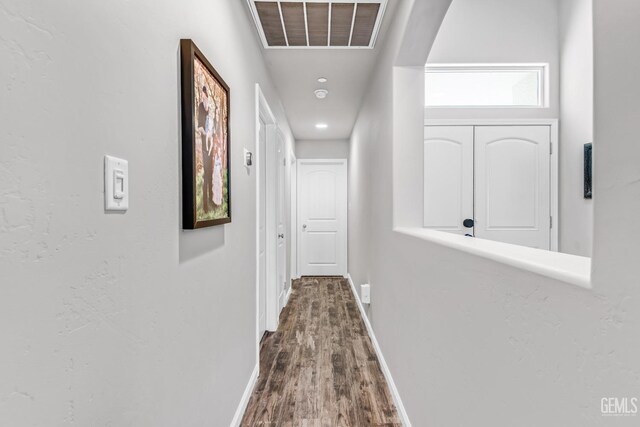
(116, 184)
(365, 294)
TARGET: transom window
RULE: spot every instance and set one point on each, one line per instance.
(486, 85)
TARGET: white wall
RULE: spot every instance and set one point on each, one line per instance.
(550, 31)
(470, 341)
(120, 320)
(322, 149)
(576, 124)
(498, 31)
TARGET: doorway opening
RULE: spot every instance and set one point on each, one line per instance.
(270, 220)
(322, 217)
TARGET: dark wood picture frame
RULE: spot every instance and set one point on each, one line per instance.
(189, 52)
(588, 171)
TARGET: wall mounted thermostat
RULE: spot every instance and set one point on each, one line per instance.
(116, 184)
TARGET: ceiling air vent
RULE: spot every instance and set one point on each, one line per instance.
(289, 24)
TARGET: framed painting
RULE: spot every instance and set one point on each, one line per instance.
(206, 176)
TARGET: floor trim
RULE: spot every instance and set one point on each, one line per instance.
(402, 413)
(242, 407)
(288, 294)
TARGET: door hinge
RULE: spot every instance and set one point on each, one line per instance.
(550, 222)
(551, 148)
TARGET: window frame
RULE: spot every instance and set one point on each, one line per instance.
(541, 68)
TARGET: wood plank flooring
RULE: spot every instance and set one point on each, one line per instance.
(320, 369)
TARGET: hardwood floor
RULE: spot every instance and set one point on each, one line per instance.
(320, 368)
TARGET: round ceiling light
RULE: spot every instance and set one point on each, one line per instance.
(321, 93)
(322, 79)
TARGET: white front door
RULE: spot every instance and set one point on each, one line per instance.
(448, 178)
(322, 217)
(262, 231)
(512, 184)
(281, 250)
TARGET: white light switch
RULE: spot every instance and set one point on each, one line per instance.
(116, 184)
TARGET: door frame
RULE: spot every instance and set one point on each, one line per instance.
(294, 216)
(263, 110)
(280, 201)
(298, 235)
(553, 167)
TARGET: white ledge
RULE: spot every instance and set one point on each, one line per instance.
(572, 269)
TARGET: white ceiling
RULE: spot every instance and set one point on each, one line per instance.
(295, 73)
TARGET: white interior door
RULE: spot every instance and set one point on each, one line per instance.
(322, 217)
(262, 230)
(512, 184)
(281, 249)
(448, 178)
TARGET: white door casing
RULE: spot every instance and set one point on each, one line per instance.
(512, 184)
(272, 201)
(322, 217)
(448, 178)
(294, 216)
(281, 242)
(266, 135)
(262, 229)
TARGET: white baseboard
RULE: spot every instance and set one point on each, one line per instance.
(286, 297)
(237, 418)
(402, 413)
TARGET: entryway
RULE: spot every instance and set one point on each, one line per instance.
(271, 222)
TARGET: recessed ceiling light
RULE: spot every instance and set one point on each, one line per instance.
(322, 80)
(321, 93)
(322, 125)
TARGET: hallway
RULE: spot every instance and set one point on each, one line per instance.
(417, 213)
(320, 368)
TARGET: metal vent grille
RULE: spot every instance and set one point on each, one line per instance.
(313, 24)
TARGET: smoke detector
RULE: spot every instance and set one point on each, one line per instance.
(321, 93)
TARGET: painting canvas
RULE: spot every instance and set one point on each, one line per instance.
(205, 141)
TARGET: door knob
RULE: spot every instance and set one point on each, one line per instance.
(304, 226)
(468, 223)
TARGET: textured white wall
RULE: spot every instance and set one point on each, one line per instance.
(322, 149)
(498, 31)
(120, 320)
(576, 124)
(473, 342)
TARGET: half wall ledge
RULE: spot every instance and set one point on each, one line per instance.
(571, 269)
